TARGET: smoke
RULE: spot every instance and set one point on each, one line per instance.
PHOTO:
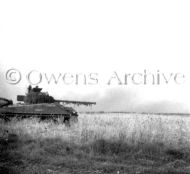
(117, 100)
(163, 107)
(130, 101)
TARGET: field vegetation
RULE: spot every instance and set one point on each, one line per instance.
(99, 143)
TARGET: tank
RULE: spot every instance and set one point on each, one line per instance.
(40, 105)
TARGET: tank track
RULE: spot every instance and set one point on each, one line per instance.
(42, 117)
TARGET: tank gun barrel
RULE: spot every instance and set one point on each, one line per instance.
(76, 102)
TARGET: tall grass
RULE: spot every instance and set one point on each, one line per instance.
(130, 128)
(116, 139)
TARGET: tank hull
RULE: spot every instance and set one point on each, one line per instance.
(44, 111)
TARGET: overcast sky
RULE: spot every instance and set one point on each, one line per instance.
(103, 41)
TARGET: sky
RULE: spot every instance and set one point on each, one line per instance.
(91, 46)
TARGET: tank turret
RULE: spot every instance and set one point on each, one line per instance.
(35, 96)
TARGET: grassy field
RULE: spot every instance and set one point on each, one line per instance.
(113, 143)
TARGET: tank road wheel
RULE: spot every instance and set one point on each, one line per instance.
(60, 119)
(67, 123)
(66, 120)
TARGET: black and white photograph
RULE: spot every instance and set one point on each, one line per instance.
(95, 87)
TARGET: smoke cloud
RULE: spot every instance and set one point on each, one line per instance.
(121, 100)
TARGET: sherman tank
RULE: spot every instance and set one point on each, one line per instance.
(40, 105)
